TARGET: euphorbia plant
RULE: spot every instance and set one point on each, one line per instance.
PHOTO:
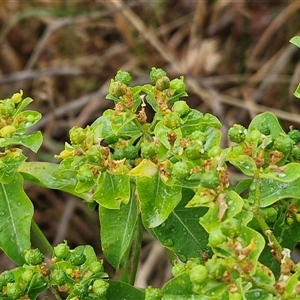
(167, 174)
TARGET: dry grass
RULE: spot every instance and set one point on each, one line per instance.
(235, 57)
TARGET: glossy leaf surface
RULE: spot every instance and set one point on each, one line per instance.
(182, 228)
(117, 228)
(118, 290)
(16, 211)
(157, 199)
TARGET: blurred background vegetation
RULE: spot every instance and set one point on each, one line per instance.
(234, 55)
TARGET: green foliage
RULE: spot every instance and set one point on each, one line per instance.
(170, 177)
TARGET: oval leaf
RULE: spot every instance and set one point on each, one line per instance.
(157, 199)
(16, 211)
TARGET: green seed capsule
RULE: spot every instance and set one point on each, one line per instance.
(210, 179)
(59, 277)
(123, 77)
(14, 290)
(85, 174)
(96, 267)
(148, 150)
(94, 154)
(100, 287)
(254, 136)
(34, 257)
(77, 135)
(119, 154)
(181, 108)
(152, 293)
(264, 128)
(216, 238)
(119, 89)
(61, 251)
(180, 170)
(156, 73)
(198, 274)
(131, 152)
(236, 133)
(7, 108)
(177, 85)
(172, 120)
(231, 228)
(77, 257)
(294, 134)
(296, 152)
(81, 290)
(6, 277)
(27, 275)
(194, 150)
(284, 144)
(162, 83)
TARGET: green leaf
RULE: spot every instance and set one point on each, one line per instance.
(297, 92)
(274, 190)
(9, 165)
(295, 40)
(117, 228)
(48, 175)
(112, 190)
(268, 119)
(119, 290)
(255, 294)
(157, 199)
(191, 121)
(37, 286)
(161, 132)
(286, 173)
(243, 162)
(16, 211)
(21, 120)
(182, 228)
(150, 96)
(145, 168)
(180, 288)
(32, 141)
(234, 204)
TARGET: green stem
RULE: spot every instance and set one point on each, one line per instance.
(273, 243)
(39, 239)
(130, 268)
